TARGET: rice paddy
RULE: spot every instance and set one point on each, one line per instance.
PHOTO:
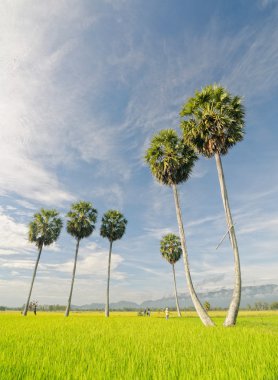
(126, 346)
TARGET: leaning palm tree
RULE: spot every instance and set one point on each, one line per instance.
(213, 123)
(170, 248)
(43, 230)
(113, 225)
(171, 162)
(81, 224)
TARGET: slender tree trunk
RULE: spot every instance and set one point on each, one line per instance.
(235, 302)
(108, 281)
(72, 281)
(33, 279)
(197, 304)
(176, 293)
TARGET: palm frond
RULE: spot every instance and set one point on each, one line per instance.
(113, 225)
(169, 159)
(45, 227)
(81, 219)
(212, 120)
(170, 248)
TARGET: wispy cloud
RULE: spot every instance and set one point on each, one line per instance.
(266, 3)
(13, 235)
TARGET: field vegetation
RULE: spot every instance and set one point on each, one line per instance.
(126, 346)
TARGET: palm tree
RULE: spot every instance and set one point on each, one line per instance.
(214, 122)
(81, 224)
(43, 231)
(170, 248)
(171, 163)
(113, 225)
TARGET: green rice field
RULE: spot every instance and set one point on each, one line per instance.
(126, 346)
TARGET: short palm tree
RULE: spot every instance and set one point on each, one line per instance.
(171, 163)
(213, 123)
(43, 231)
(81, 224)
(170, 248)
(113, 225)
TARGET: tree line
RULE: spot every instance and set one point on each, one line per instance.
(263, 306)
(46, 227)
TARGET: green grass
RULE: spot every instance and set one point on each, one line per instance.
(88, 346)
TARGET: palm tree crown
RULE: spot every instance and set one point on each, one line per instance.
(214, 120)
(113, 225)
(45, 228)
(170, 248)
(82, 219)
(170, 160)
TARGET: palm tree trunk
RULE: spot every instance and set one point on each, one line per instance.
(235, 302)
(108, 281)
(31, 287)
(72, 281)
(176, 293)
(197, 304)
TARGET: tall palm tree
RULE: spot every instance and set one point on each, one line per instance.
(113, 225)
(81, 224)
(43, 230)
(170, 248)
(171, 163)
(213, 123)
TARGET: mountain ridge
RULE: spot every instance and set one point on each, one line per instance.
(219, 298)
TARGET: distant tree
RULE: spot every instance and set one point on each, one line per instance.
(214, 122)
(261, 306)
(265, 306)
(81, 224)
(113, 225)
(171, 163)
(207, 306)
(56, 308)
(274, 306)
(44, 230)
(170, 248)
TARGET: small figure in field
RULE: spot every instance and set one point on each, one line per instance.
(33, 306)
(167, 313)
(148, 312)
(145, 312)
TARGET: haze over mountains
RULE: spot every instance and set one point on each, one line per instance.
(220, 298)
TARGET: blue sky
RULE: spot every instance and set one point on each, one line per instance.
(84, 85)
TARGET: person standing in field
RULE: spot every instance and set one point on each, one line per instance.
(167, 313)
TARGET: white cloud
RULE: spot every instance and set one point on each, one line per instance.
(91, 261)
(94, 263)
(44, 122)
(253, 73)
(13, 235)
(25, 204)
(266, 3)
(158, 233)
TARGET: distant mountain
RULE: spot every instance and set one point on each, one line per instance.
(219, 298)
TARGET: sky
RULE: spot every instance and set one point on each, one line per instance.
(84, 86)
